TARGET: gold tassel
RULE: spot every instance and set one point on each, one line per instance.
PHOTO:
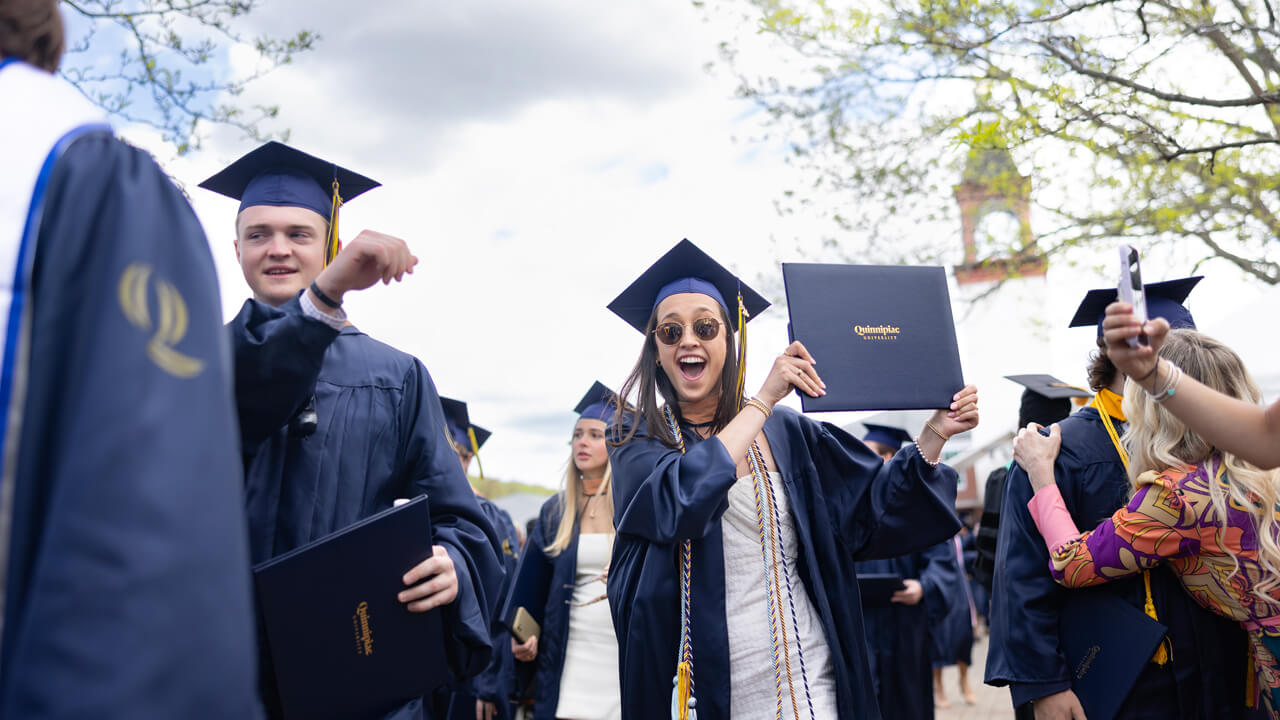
(1149, 606)
(331, 242)
(741, 382)
(684, 673)
(475, 450)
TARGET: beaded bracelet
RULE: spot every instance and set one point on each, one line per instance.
(758, 404)
(931, 463)
(1170, 384)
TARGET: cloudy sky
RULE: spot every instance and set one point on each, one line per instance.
(537, 156)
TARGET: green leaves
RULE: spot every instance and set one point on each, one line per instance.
(170, 73)
(1155, 121)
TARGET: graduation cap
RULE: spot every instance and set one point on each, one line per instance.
(687, 269)
(684, 269)
(1048, 386)
(1164, 299)
(600, 403)
(886, 435)
(460, 429)
(1046, 399)
(276, 174)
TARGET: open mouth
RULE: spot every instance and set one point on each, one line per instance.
(692, 367)
(280, 271)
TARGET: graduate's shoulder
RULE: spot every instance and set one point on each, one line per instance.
(551, 510)
(358, 360)
(111, 184)
(1085, 440)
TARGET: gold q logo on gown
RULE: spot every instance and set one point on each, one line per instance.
(172, 327)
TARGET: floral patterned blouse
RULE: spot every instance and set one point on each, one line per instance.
(1171, 519)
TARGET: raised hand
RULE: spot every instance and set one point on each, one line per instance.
(1118, 326)
(370, 257)
(961, 416)
(793, 368)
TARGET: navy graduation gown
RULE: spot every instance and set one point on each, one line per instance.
(1207, 674)
(950, 621)
(898, 636)
(379, 436)
(848, 504)
(127, 587)
(496, 682)
(562, 569)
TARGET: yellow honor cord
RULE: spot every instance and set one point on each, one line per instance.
(331, 241)
(1107, 404)
(475, 450)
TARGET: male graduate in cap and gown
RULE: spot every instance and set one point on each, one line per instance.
(488, 695)
(124, 568)
(1200, 669)
(335, 425)
(898, 632)
(693, 563)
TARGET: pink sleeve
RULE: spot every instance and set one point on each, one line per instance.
(1051, 516)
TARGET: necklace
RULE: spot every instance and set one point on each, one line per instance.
(699, 426)
(587, 504)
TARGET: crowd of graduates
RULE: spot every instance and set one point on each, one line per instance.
(709, 551)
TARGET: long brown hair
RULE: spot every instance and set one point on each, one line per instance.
(31, 31)
(648, 381)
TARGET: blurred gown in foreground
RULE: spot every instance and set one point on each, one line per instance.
(127, 590)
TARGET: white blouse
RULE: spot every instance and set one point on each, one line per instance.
(753, 693)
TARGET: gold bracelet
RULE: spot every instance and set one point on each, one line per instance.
(758, 404)
(935, 431)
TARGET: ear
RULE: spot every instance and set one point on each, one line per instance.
(236, 243)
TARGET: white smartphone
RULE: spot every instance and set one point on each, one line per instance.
(1131, 290)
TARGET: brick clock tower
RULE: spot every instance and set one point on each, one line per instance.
(995, 221)
(1001, 294)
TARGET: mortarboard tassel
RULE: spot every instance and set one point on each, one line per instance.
(475, 450)
(331, 242)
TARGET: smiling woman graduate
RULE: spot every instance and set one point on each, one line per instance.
(738, 522)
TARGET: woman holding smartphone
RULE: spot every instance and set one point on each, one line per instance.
(732, 587)
(575, 657)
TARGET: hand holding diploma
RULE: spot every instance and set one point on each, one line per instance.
(434, 582)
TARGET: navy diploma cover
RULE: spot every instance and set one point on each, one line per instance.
(882, 335)
(1106, 642)
(342, 644)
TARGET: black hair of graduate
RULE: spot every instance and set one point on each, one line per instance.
(649, 381)
(31, 31)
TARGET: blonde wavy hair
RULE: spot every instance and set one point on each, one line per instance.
(1157, 441)
(571, 499)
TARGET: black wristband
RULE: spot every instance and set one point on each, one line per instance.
(324, 298)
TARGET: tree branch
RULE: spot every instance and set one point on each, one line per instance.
(1267, 98)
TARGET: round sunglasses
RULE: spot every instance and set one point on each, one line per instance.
(669, 333)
